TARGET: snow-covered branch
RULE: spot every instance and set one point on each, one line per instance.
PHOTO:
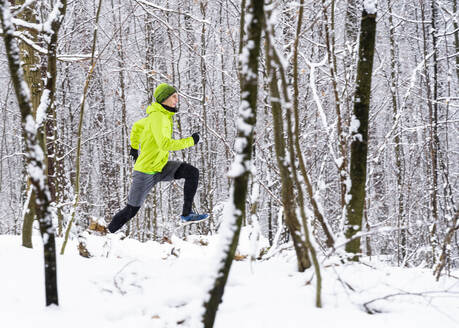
(168, 10)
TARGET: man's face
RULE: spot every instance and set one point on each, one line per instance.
(172, 100)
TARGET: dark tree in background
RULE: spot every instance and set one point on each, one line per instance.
(359, 130)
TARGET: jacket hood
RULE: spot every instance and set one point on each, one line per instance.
(157, 107)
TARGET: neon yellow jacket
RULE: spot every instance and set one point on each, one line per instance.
(154, 136)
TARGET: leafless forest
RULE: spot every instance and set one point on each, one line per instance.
(111, 54)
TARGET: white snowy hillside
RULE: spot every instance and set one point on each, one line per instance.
(131, 284)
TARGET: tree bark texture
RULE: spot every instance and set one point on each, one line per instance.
(34, 149)
(359, 133)
(287, 183)
(31, 66)
(249, 77)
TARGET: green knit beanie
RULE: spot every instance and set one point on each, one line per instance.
(163, 91)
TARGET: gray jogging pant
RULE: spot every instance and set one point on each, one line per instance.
(142, 183)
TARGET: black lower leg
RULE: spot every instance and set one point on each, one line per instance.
(123, 216)
(191, 176)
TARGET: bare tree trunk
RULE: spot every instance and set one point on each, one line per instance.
(434, 140)
(125, 145)
(205, 175)
(149, 59)
(242, 163)
(60, 179)
(291, 179)
(32, 136)
(241, 40)
(450, 208)
(30, 57)
(280, 145)
(224, 90)
(401, 244)
(359, 131)
(432, 132)
(80, 126)
(29, 216)
(32, 75)
(318, 215)
(456, 38)
(330, 44)
(446, 248)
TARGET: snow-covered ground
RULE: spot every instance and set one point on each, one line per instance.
(131, 284)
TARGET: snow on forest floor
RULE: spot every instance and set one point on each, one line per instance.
(131, 284)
